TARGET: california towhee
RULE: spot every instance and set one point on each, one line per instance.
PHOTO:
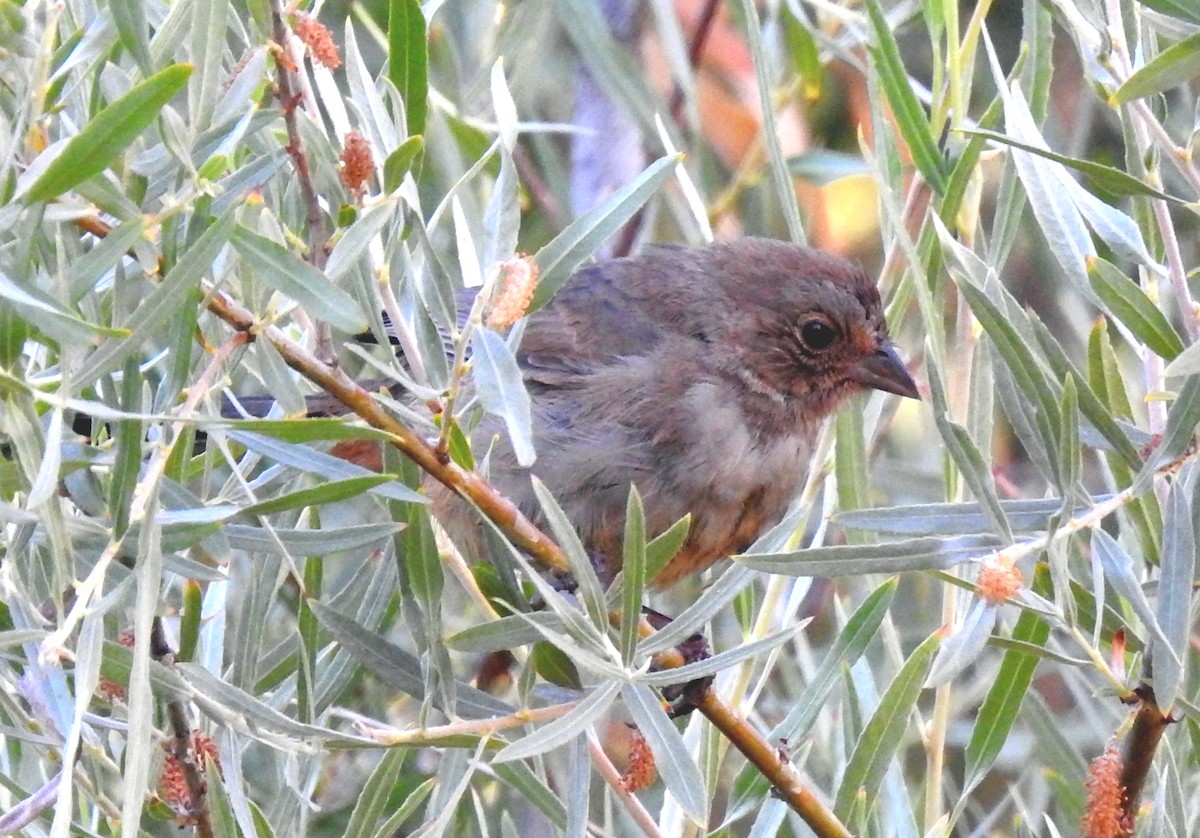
(700, 375)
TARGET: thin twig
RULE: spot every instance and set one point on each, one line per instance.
(182, 741)
(317, 230)
(612, 777)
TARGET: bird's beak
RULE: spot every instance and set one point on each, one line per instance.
(885, 371)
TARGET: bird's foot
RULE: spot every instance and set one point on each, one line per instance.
(683, 698)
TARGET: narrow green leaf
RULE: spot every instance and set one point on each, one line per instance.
(295, 431)
(559, 258)
(130, 18)
(1019, 360)
(408, 61)
(40, 310)
(309, 542)
(223, 702)
(804, 53)
(1069, 450)
(1129, 304)
(724, 660)
(1102, 417)
(884, 732)
(287, 273)
(589, 589)
(850, 460)
(128, 439)
(555, 665)
(970, 462)
(909, 114)
(400, 162)
(320, 495)
(963, 647)
(999, 711)
(504, 633)
(1120, 573)
(82, 274)
(100, 142)
(633, 574)
(224, 821)
(1175, 65)
(534, 788)
(375, 795)
(208, 51)
(849, 646)
(663, 547)
(1181, 9)
(1104, 374)
(156, 310)
(1110, 179)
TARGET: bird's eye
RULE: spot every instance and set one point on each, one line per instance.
(817, 334)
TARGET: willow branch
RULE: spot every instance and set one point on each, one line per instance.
(773, 765)
(1137, 755)
(497, 508)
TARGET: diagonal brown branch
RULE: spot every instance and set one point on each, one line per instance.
(504, 514)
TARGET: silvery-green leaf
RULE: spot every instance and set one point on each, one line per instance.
(633, 574)
(962, 648)
(505, 107)
(558, 259)
(1119, 571)
(315, 462)
(715, 597)
(1057, 215)
(1182, 420)
(850, 644)
(397, 667)
(505, 633)
(1186, 362)
(884, 732)
(857, 559)
(724, 660)
(950, 518)
(1173, 607)
(309, 542)
(355, 240)
(564, 728)
(674, 762)
(162, 303)
(284, 271)
(588, 583)
(502, 391)
(1173, 66)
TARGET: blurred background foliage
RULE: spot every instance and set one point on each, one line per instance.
(1019, 175)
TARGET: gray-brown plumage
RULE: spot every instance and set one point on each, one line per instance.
(701, 375)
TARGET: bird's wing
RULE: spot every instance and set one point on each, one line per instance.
(592, 322)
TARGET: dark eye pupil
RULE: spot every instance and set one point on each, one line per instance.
(817, 334)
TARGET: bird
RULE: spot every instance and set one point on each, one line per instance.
(700, 375)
